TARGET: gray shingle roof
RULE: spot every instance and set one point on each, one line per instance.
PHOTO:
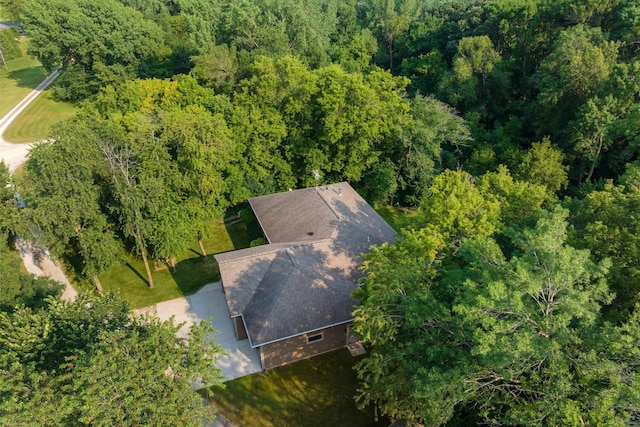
(294, 216)
(301, 282)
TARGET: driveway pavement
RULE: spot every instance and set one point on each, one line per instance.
(38, 261)
(15, 154)
(209, 302)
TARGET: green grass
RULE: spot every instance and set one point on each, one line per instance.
(399, 218)
(193, 270)
(313, 392)
(24, 74)
(35, 122)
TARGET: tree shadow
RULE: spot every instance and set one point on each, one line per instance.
(191, 274)
(137, 273)
(243, 231)
(28, 77)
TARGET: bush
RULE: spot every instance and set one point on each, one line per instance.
(258, 242)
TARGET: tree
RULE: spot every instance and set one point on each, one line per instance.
(519, 201)
(20, 289)
(435, 136)
(277, 28)
(202, 18)
(354, 117)
(13, 8)
(12, 222)
(626, 28)
(457, 209)
(476, 55)
(390, 19)
(93, 41)
(605, 224)
(92, 362)
(217, 68)
(581, 61)
(62, 184)
(208, 160)
(9, 44)
(502, 339)
(292, 120)
(591, 134)
(542, 164)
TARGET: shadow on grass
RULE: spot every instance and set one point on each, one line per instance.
(27, 77)
(314, 392)
(191, 274)
(137, 273)
(193, 271)
(243, 231)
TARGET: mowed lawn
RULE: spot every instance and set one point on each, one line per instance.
(193, 271)
(35, 122)
(315, 392)
(23, 74)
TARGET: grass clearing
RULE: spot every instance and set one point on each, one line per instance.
(315, 392)
(35, 122)
(399, 218)
(193, 270)
(24, 74)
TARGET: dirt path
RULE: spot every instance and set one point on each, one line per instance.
(36, 260)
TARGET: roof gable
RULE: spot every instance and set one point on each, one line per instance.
(287, 288)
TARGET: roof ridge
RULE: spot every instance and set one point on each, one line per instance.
(266, 294)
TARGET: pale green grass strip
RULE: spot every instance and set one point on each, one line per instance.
(24, 74)
(35, 122)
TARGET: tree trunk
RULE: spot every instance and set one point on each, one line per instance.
(202, 251)
(147, 268)
(143, 252)
(390, 44)
(173, 262)
(595, 159)
(97, 283)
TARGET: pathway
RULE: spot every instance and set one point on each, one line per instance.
(210, 303)
(15, 154)
(36, 260)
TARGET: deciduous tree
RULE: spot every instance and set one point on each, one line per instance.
(62, 180)
(92, 362)
(91, 40)
(504, 339)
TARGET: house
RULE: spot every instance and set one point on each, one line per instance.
(291, 298)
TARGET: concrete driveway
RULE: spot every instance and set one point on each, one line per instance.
(210, 302)
(15, 154)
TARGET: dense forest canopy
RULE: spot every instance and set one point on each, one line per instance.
(511, 126)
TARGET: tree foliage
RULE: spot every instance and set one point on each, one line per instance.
(505, 339)
(432, 105)
(604, 225)
(91, 362)
(96, 42)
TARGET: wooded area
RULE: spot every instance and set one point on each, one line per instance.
(511, 126)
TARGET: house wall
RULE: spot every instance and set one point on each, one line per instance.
(286, 351)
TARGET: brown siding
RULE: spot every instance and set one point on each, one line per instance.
(286, 351)
(241, 331)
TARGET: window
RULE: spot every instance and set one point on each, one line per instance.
(315, 338)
